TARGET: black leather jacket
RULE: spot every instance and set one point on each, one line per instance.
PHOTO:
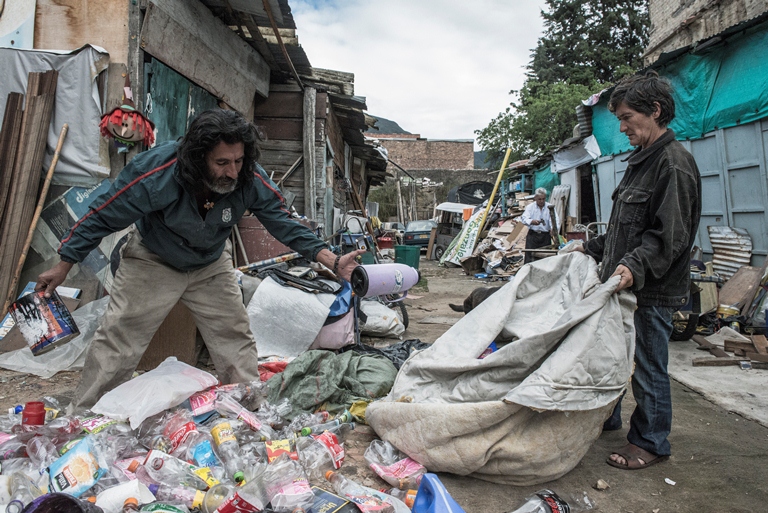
(655, 216)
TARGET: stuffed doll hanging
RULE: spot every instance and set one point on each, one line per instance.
(126, 125)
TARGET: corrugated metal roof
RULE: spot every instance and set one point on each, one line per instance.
(732, 249)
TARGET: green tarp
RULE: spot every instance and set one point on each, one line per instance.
(544, 177)
(722, 87)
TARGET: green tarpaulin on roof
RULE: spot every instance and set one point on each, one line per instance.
(721, 87)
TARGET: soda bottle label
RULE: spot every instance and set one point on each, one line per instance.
(276, 448)
(249, 418)
(206, 475)
(400, 471)
(203, 454)
(180, 435)
(202, 402)
(554, 502)
(331, 444)
(97, 423)
(237, 504)
(161, 507)
(222, 433)
(371, 503)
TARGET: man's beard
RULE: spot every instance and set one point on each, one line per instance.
(221, 185)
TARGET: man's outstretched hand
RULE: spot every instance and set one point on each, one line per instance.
(53, 277)
(627, 279)
(347, 262)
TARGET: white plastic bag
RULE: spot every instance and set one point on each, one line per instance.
(381, 321)
(166, 386)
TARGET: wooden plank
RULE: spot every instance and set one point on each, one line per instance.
(717, 362)
(740, 288)
(70, 24)
(9, 141)
(187, 37)
(310, 125)
(708, 294)
(757, 357)
(713, 349)
(734, 345)
(280, 105)
(430, 246)
(279, 145)
(760, 343)
(745, 311)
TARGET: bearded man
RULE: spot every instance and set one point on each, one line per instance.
(184, 199)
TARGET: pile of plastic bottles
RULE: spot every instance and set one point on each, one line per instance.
(225, 449)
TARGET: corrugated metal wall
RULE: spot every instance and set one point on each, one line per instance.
(732, 163)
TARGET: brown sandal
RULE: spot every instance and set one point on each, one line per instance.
(633, 456)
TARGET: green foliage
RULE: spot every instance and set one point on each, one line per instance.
(586, 45)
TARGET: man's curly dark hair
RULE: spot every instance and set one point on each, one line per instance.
(641, 92)
(205, 132)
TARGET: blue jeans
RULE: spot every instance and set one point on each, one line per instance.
(651, 421)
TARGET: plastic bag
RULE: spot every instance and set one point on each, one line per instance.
(381, 320)
(166, 386)
(393, 466)
(69, 356)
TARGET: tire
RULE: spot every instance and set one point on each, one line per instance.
(404, 312)
(684, 330)
(439, 250)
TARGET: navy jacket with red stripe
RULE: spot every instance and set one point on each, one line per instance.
(149, 192)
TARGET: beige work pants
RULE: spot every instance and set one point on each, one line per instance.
(144, 292)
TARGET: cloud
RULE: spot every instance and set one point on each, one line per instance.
(440, 68)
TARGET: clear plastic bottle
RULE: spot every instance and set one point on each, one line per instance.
(393, 466)
(228, 407)
(407, 496)
(130, 505)
(22, 489)
(167, 470)
(42, 452)
(341, 429)
(228, 449)
(177, 427)
(547, 501)
(249, 498)
(215, 497)
(199, 450)
(287, 486)
(366, 499)
(320, 453)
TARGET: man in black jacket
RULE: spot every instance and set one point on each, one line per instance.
(652, 227)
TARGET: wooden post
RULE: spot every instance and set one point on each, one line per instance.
(400, 213)
(310, 196)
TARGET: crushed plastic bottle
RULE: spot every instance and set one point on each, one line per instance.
(366, 499)
(547, 501)
(42, 452)
(407, 496)
(287, 486)
(230, 408)
(319, 454)
(249, 498)
(130, 505)
(393, 466)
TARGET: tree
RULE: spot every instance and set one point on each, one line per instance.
(586, 45)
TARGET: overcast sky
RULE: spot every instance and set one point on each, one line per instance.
(439, 68)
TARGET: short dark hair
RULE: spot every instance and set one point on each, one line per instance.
(640, 92)
(206, 131)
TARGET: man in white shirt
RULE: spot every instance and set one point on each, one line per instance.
(536, 217)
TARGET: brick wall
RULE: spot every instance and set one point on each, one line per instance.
(679, 23)
(425, 154)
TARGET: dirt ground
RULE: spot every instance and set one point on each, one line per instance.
(719, 461)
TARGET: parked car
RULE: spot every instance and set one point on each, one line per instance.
(417, 233)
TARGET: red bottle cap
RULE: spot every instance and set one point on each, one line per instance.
(33, 414)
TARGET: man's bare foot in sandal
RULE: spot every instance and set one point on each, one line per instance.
(632, 457)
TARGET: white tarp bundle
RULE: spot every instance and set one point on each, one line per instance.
(528, 412)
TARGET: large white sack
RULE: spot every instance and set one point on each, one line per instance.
(528, 412)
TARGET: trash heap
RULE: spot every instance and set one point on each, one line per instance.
(499, 253)
(224, 448)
